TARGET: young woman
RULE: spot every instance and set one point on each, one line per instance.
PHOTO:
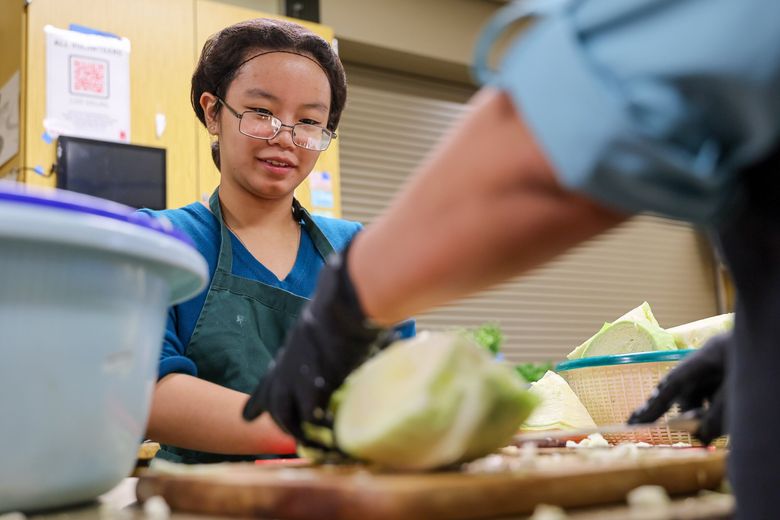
(271, 94)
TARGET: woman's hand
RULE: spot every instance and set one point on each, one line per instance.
(195, 414)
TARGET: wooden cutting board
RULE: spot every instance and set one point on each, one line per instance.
(355, 493)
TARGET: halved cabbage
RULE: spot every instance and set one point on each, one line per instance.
(696, 333)
(625, 337)
(430, 401)
(635, 331)
(560, 408)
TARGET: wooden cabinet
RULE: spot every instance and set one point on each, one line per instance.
(12, 23)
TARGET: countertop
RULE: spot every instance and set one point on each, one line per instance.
(120, 504)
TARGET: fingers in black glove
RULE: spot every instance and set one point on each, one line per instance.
(330, 339)
(713, 419)
(267, 393)
(692, 383)
(661, 399)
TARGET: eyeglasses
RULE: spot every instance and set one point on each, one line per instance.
(265, 126)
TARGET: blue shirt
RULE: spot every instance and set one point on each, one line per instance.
(646, 105)
(197, 221)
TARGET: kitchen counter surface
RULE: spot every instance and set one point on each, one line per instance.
(120, 504)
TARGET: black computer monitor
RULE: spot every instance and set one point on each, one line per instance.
(126, 173)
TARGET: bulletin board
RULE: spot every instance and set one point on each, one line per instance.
(161, 60)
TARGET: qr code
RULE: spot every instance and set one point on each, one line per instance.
(88, 76)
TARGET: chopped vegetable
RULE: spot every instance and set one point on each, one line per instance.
(532, 372)
(649, 501)
(594, 440)
(488, 336)
(320, 434)
(696, 333)
(430, 401)
(156, 508)
(548, 512)
(560, 408)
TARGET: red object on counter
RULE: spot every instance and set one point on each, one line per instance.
(282, 462)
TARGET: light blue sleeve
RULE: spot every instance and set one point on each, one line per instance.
(172, 353)
(646, 105)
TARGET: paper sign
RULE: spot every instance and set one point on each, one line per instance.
(322, 199)
(9, 119)
(321, 185)
(321, 181)
(87, 85)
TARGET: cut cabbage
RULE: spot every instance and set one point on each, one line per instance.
(560, 408)
(594, 440)
(430, 401)
(625, 337)
(696, 333)
(579, 351)
(635, 331)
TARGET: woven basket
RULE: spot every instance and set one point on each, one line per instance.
(611, 387)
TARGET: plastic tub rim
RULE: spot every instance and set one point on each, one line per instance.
(73, 202)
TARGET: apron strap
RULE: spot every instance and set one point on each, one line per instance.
(321, 242)
(225, 261)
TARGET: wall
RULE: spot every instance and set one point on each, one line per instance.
(11, 39)
(432, 38)
(265, 6)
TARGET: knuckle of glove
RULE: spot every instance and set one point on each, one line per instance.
(710, 429)
(280, 401)
(712, 421)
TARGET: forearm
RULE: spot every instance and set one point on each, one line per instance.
(191, 413)
(484, 207)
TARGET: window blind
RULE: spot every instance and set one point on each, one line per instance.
(392, 120)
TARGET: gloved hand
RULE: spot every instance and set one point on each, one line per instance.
(698, 379)
(330, 339)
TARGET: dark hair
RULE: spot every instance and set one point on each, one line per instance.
(225, 52)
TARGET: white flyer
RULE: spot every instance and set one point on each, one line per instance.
(87, 85)
(9, 118)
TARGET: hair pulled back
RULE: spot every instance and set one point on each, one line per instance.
(225, 52)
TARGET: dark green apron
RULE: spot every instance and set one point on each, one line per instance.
(241, 326)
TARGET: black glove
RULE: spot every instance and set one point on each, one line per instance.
(698, 379)
(330, 339)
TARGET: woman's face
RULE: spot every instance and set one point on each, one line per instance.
(290, 87)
